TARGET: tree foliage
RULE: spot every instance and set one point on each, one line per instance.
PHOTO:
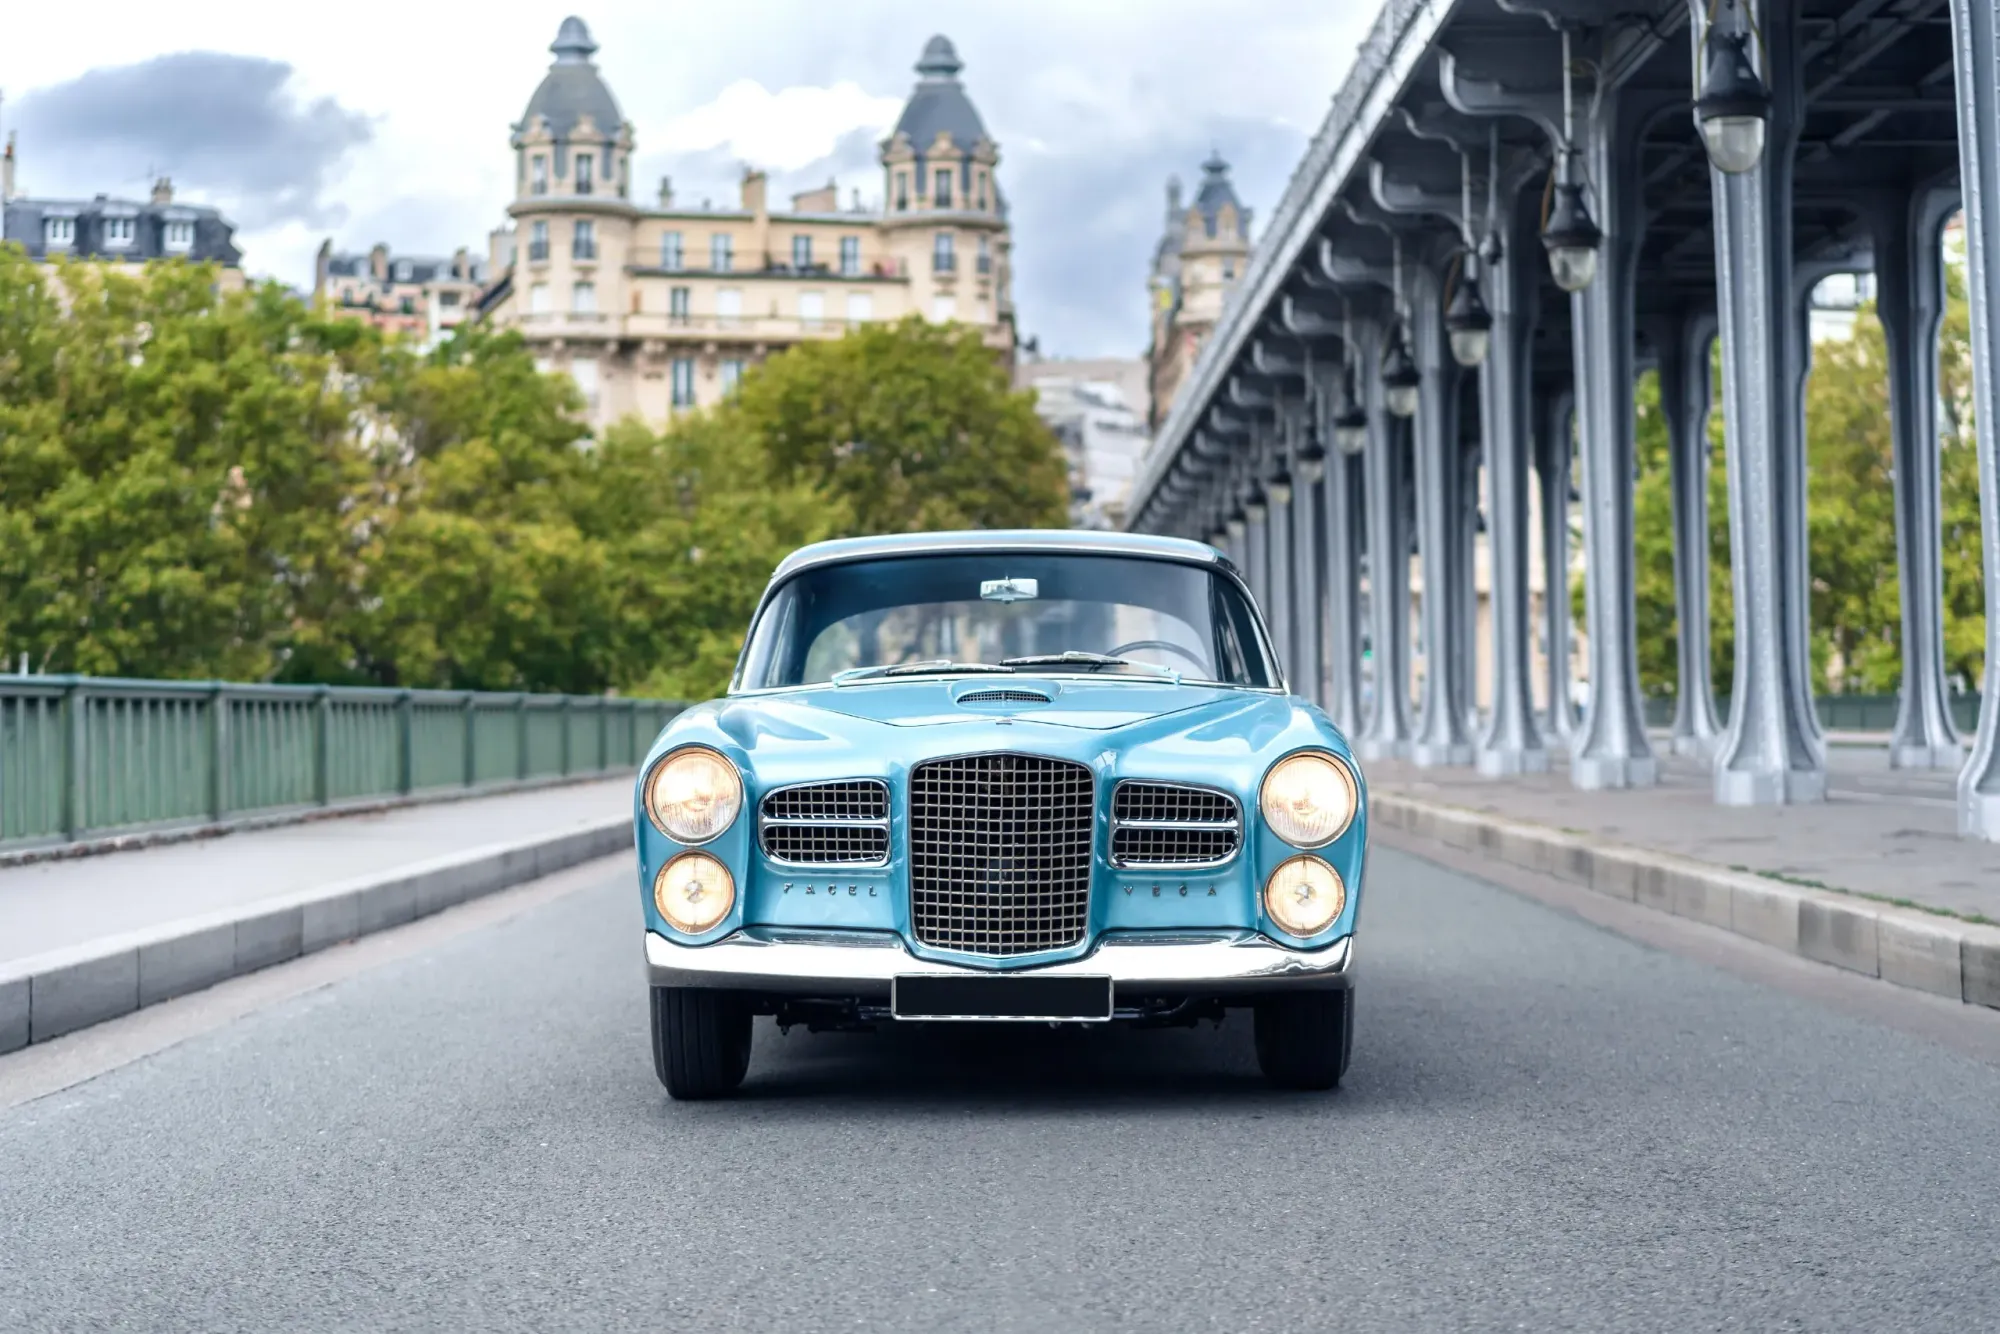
(226, 485)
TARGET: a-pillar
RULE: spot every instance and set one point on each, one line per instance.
(1975, 33)
(1909, 299)
(1686, 401)
(1511, 743)
(1610, 749)
(1386, 734)
(1771, 752)
(1441, 735)
(1555, 448)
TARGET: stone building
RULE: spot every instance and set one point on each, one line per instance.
(1096, 408)
(124, 233)
(656, 307)
(421, 296)
(1205, 247)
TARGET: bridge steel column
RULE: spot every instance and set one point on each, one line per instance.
(1309, 537)
(1387, 732)
(1610, 749)
(1510, 743)
(1686, 402)
(1257, 540)
(1909, 284)
(1441, 736)
(1343, 569)
(1772, 752)
(1278, 493)
(1465, 585)
(1555, 446)
(1975, 32)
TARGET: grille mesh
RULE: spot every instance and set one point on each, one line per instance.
(1000, 851)
(827, 824)
(1160, 824)
(1003, 697)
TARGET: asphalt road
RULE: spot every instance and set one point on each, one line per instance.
(1547, 1126)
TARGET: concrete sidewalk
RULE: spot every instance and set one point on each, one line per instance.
(59, 905)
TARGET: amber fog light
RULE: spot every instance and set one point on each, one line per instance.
(693, 892)
(1304, 896)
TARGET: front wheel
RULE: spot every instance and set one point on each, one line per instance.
(1305, 1039)
(701, 1041)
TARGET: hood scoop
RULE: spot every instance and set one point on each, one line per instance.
(1003, 695)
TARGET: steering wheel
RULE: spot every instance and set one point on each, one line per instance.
(1170, 647)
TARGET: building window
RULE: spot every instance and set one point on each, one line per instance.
(902, 191)
(985, 254)
(979, 315)
(406, 305)
(670, 252)
(583, 299)
(538, 299)
(677, 305)
(538, 240)
(586, 182)
(1228, 270)
(584, 372)
(943, 259)
(941, 195)
(944, 309)
(585, 244)
(812, 309)
(447, 298)
(683, 382)
(179, 236)
(58, 233)
(117, 233)
(980, 203)
(860, 307)
(802, 252)
(729, 304)
(850, 256)
(538, 175)
(732, 371)
(720, 252)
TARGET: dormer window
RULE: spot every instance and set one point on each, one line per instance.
(941, 194)
(58, 233)
(585, 173)
(538, 175)
(179, 235)
(902, 191)
(117, 233)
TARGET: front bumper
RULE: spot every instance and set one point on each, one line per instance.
(861, 965)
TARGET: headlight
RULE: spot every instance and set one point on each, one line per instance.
(1308, 799)
(693, 892)
(1304, 896)
(694, 795)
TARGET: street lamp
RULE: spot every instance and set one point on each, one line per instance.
(1400, 377)
(1350, 424)
(1467, 321)
(1569, 233)
(1734, 108)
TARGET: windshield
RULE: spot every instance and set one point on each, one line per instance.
(1110, 615)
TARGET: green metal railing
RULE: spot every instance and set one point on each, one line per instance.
(82, 757)
(1839, 713)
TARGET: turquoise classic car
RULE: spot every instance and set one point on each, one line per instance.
(1048, 777)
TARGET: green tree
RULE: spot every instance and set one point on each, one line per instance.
(912, 424)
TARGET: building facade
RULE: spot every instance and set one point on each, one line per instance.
(1204, 249)
(659, 308)
(1097, 409)
(419, 296)
(124, 233)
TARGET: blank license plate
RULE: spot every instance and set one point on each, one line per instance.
(952, 996)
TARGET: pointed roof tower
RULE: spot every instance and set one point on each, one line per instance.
(938, 103)
(1215, 192)
(573, 89)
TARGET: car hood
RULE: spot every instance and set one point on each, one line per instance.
(1097, 705)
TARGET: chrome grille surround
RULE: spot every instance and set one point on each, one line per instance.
(843, 823)
(1000, 853)
(1172, 824)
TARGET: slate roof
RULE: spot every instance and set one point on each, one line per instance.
(573, 88)
(214, 235)
(1215, 192)
(939, 102)
(420, 268)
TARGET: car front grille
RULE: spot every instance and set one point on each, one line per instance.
(1003, 697)
(1165, 824)
(826, 824)
(1000, 852)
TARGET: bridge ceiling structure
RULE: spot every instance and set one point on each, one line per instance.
(1400, 372)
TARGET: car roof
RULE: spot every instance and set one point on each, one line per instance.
(1086, 541)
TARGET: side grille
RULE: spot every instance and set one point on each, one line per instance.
(1000, 850)
(826, 824)
(1003, 697)
(1163, 824)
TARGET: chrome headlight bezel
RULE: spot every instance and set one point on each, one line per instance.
(668, 906)
(688, 834)
(1333, 769)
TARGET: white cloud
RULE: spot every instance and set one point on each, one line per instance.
(781, 131)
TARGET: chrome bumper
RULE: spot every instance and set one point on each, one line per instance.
(862, 965)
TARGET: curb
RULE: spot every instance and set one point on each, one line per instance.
(51, 994)
(1942, 956)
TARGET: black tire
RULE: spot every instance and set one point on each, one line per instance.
(701, 1041)
(1304, 1040)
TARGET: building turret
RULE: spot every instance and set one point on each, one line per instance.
(1202, 253)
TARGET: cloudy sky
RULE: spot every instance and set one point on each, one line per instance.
(389, 121)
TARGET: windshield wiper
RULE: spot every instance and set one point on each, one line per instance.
(935, 665)
(1078, 658)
